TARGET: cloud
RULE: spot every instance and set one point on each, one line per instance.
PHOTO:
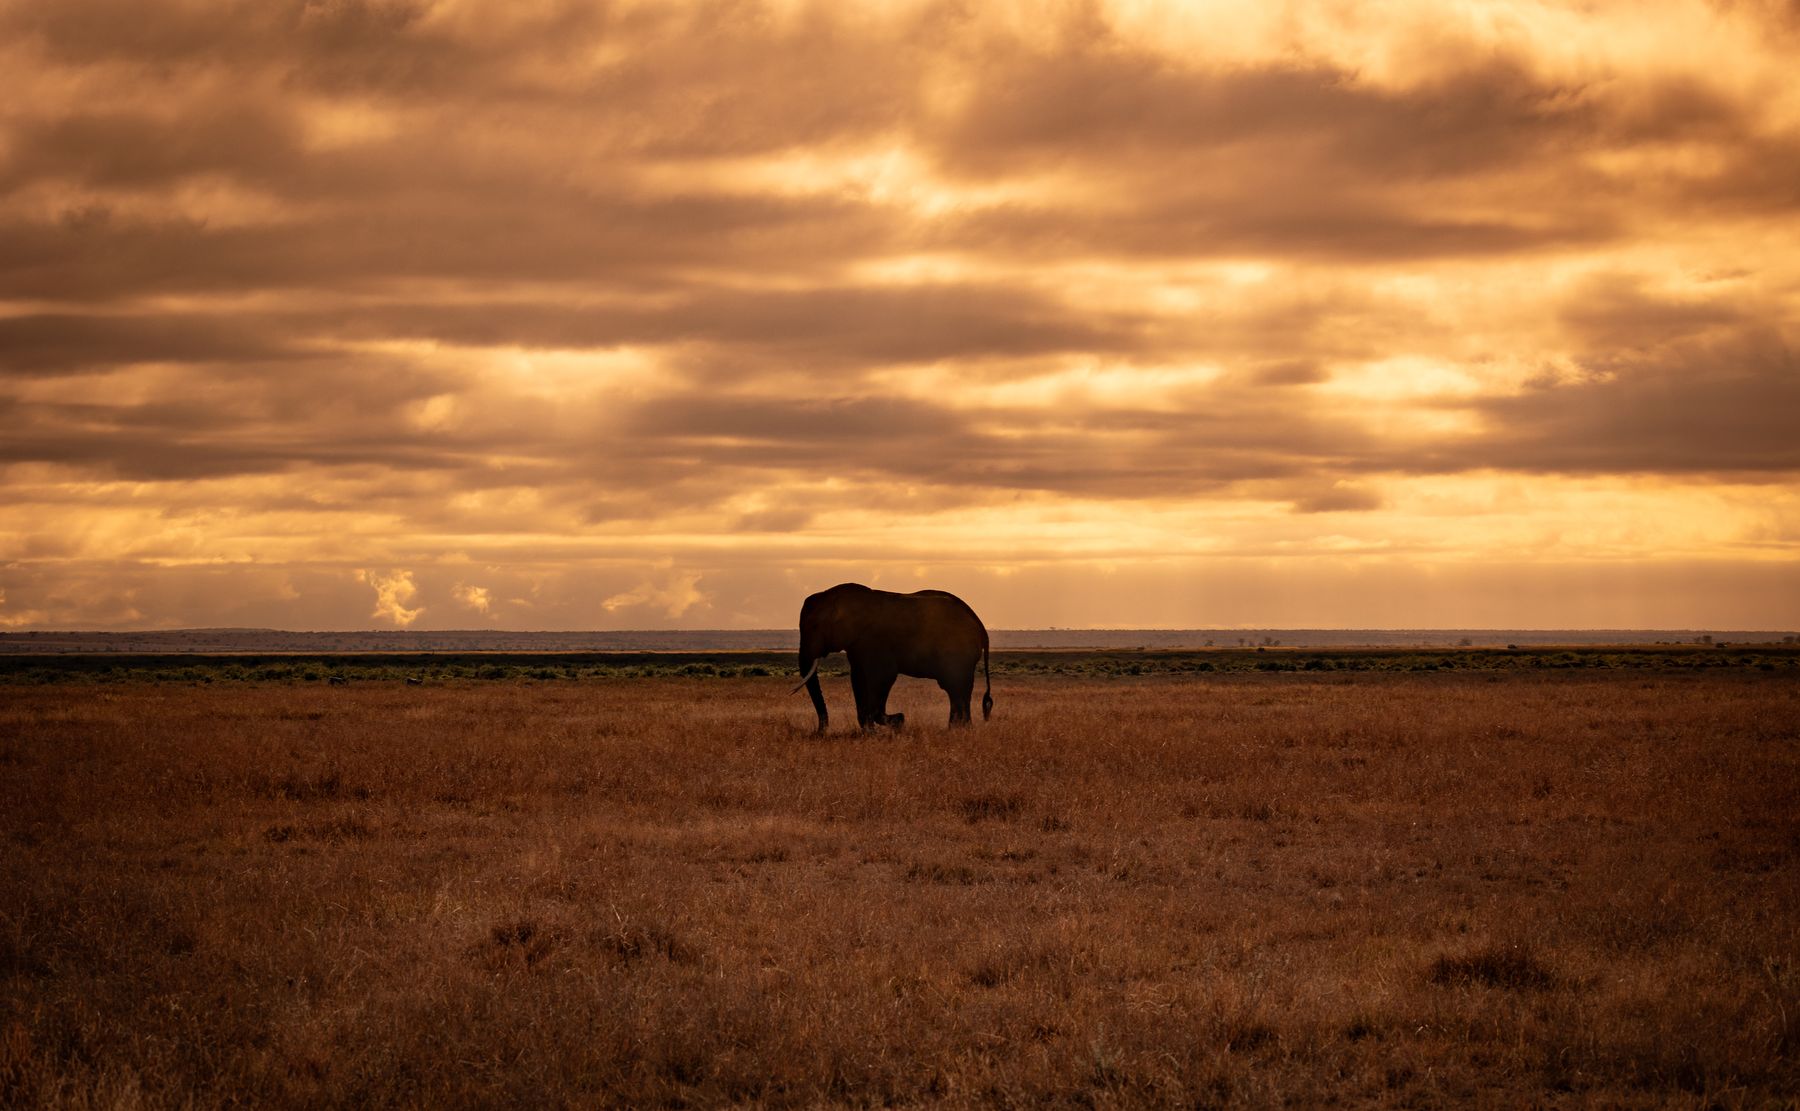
(392, 592)
(135, 149)
(16, 618)
(1710, 406)
(670, 595)
(1339, 497)
(477, 598)
(1614, 312)
(70, 343)
(401, 283)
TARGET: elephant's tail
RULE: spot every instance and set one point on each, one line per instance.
(987, 696)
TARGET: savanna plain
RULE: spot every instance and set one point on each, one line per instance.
(1385, 889)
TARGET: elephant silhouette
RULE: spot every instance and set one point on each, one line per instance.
(928, 634)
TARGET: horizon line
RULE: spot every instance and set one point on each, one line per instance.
(995, 629)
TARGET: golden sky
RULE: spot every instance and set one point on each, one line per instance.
(563, 315)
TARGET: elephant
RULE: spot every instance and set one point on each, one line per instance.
(929, 634)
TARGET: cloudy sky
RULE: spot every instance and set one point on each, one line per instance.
(577, 314)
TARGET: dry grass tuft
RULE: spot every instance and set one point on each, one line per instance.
(518, 942)
(1500, 966)
(632, 941)
(992, 806)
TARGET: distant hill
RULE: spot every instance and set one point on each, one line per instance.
(215, 641)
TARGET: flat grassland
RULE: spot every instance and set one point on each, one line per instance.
(1569, 887)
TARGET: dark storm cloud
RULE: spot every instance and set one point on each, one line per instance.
(62, 343)
(1711, 406)
(1290, 372)
(1777, 17)
(837, 332)
(200, 420)
(1098, 96)
(138, 149)
(1291, 223)
(1311, 162)
(1341, 497)
(1757, 178)
(1219, 439)
(97, 254)
(331, 43)
(818, 428)
(1613, 311)
(150, 443)
(712, 77)
(846, 328)
(859, 325)
(1697, 383)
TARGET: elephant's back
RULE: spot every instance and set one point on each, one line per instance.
(951, 604)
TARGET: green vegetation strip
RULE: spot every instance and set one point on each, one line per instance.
(445, 667)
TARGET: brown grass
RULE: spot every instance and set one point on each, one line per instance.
(1387, 890)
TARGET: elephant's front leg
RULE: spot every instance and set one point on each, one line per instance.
(870, 681)
(881, 684)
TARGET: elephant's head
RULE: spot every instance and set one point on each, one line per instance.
(824, 629)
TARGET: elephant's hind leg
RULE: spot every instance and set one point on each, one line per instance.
(960, 692)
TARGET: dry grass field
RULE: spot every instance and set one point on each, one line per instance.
(1556, 888)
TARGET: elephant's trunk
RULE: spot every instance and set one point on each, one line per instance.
(818, 700)
(809, 665)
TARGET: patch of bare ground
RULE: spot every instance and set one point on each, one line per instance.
(1368, 890)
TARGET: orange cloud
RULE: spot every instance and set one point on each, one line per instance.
(392, 592)
(477, 598)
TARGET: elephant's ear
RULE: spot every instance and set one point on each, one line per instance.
(830, 624)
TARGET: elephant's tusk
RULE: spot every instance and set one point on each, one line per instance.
(807, 678)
